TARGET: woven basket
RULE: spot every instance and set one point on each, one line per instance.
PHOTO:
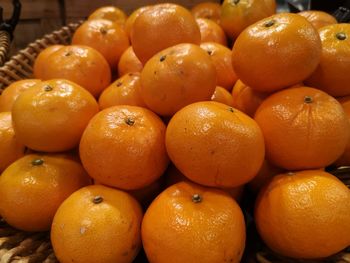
(21, 247)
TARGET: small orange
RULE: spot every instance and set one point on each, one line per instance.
(10, 148)
(162, 26)
(129, 63)
(271, 5)
(221, 57)
(111, 13)
(208, 10)
(304, 128)
(236, 15)
(287, 49)
(41, 60)
(223, 96)
(318, 18)
(80, 64)
(52, 115)
(33, 187)
(203, 136)
(304, 215)
(176, 77)
(331, 75)
(105, 36)
(129, 23)
(97, 224)
(123, 91)
(211, 31)
(246, 99)
(10, 94)
(344, 160)
(190, 223)
(123, 146)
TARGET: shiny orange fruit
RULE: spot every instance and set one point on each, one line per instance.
(344, 159)
(111, 13)
(318, 18)
(129, 63)
(129, 23)
(211, 31)
(41, 60)
(207, 10)
(222, 95)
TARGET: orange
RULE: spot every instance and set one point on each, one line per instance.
(111, 13)
(97, 224)
(105, 36)
(129, 63)
(276, 52)
(223, 96)
(123, 146)
(236, 15)
(208, 10)
(80, 64)
(211, 31)
(52, 115)
(10, 94)
(33, 187)
(331, 75)
(129, 23)
(190, 223)
(176, 77)
(203, 136)
(304, 214)
(162, 26)
(123, 91)
(246, 99)
(221, 57)
(304, 128)
(344, 159)
(318, 18)
(41, 60)
(10, 148)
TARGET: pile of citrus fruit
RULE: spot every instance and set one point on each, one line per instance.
(145, 131)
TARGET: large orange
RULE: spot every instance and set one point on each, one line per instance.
(161, 26)
(331, 75)
(304, 215)
(123, 146)
(221, 57)
(33, 187)
(304, 128)
(176, 77)
(41, 60)
(203, 136)
(223, 96)
(123, 91)
(97, 224)
(236, 15)
(129, 63)
(208, 10)
(10, 94)
(190, 223)
(276, 52)
(52, 115)
(111, 13)
(211, 31)
(129, 23)
(318, 18)
(80, 64)
(105, 36)
(345, 157)
(10, 148)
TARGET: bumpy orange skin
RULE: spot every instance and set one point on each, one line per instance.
(10, 148)
(207, 10)
(105, 36)
(41, 60)
(52, 115)
(211, 31)
(176, 229)
(10, 94)
(31, 194)
(111, 13)
(123, 91)
(123, 146)
(176, 77)
(87, 232)
(129, 63)
(331, 75)
(344, 159)
(287, 49)
(304, 128)
(129, 23)
(201, 137)
(304, 215)
(237, 15)
(80, 64)
(223, 96)
(162, 26)
(318, 18)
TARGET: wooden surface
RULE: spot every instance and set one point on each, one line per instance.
(40, 17)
